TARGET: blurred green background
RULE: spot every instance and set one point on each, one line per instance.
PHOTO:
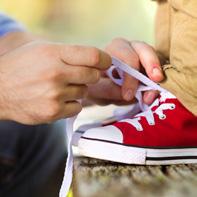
(93, 22)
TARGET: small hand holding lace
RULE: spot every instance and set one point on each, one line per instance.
(140, 56)
(145, 85)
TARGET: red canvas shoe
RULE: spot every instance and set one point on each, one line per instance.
(164, 133)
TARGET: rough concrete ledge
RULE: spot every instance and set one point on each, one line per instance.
(97, 178)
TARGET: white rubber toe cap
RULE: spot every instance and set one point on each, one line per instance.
(109, 133)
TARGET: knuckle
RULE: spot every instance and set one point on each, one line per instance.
(44, 49)
(78, 109)
(54, 94)
(71, 111)
(84, 90)
(129, 57)
(89, 75)
(134, 59)
(81, 91)
(96, 74)
(94, 55)
(53, 111)
(83, 73)
(110, 46)
(137, 42)
(142, 44)
(75, 48)
(54, 74)
(148, 46)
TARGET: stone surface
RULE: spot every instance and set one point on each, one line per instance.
(97, 178)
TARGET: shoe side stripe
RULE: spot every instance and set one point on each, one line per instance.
(170, 158)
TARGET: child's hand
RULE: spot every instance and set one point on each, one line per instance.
(140, 56)
(41, 82)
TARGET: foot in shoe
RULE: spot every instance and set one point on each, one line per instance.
(163, 133)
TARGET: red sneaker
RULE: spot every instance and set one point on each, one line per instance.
(164, 133)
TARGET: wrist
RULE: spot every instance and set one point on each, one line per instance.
(13, 40)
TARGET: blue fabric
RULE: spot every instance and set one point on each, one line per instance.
(8, 24)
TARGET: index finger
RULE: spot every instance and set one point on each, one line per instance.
(121, 49)
(86, 56)
(149, 60)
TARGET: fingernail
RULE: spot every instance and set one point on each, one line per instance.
(156, 71)
(128, 96)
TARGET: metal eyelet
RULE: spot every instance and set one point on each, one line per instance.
(172, 107)
(151, 123)
(139, 129)
(162, 117)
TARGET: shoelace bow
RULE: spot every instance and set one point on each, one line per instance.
(147, 84)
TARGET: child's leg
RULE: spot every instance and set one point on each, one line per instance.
(182, 71)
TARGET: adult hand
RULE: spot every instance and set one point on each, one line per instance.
(41, 82)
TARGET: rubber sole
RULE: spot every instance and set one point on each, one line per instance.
(121, 153)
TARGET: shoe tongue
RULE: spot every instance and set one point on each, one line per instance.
(166, 95)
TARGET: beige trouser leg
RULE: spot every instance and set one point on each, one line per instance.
(181, 72)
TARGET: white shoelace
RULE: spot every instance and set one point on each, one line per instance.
(149, 114)
(120, 67)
